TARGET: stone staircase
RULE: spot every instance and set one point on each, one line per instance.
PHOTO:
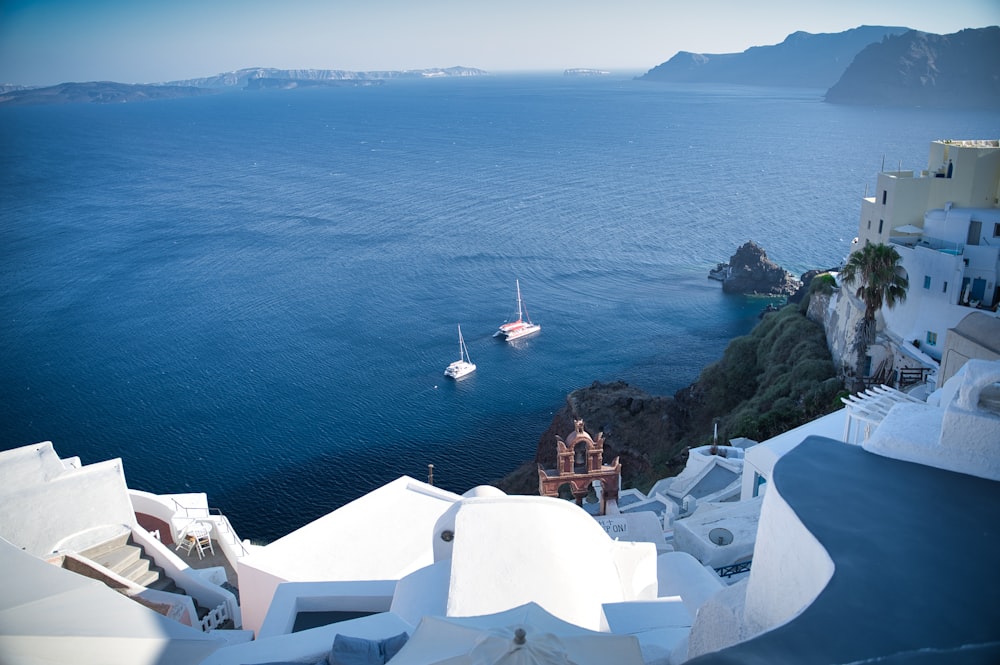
(122, 556)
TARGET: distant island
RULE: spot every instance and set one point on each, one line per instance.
(869, 65)
(256, 78)
(96, 92)
(243, 78)
(585, 72)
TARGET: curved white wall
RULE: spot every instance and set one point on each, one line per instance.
(790, 567)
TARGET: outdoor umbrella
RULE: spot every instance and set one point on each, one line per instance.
(525, 635)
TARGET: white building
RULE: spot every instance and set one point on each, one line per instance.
(871, 531)
(847, 543)
(944, 221)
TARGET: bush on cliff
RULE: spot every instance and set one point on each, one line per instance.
(778, 377)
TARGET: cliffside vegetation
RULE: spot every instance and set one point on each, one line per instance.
(776, 378)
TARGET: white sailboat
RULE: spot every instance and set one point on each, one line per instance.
(463, 365)
(523, 326)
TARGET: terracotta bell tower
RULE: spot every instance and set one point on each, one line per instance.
(579, 463)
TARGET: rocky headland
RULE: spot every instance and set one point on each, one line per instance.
(918, 69)
(779, 376)
(802, 60)
(868, 65)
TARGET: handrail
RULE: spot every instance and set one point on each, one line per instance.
(234, 539)
(187, 510)
(734, 569)
(222, 520)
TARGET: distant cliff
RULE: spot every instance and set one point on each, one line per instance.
(961, 70)
(803, 60)
(243, 77)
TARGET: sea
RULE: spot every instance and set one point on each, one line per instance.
(254, 294)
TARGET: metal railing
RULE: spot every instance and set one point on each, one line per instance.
(734, 569)
(909, 376)
(218, 518)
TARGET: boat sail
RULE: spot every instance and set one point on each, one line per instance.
(463, 365)
(523, 326)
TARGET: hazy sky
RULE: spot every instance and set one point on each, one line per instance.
(133, 41)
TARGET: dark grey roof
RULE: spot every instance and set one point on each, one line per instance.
(652, 507)
(628, 500)
(914, 549)
(717, 479)
(982, 329)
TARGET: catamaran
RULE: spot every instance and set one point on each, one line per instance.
(523, 326)
(463, 365)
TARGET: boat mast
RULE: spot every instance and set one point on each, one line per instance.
(519, 315)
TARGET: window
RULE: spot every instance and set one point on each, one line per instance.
(869, 225)
(945, 289)
(996, 230)
(931, 338)
(758, 481)
(880, 222)
(927, 281)
(885, 193)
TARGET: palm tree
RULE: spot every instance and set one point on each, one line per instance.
(881, 281)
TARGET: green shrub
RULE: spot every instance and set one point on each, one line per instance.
(776, 378)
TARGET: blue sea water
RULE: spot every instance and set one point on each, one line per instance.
(255, 294)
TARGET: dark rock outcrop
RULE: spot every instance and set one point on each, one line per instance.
(752, 273)
(961, 70)
(638, 427)
(778, 377)
(803, 60)
(804, 282)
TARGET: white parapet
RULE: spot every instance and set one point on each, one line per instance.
(962, 435)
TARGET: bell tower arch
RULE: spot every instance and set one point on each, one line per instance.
(579, 463)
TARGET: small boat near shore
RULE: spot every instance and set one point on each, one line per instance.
(522, 326)
(463, 366)
(721, 272)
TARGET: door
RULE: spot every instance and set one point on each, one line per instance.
(975, 231)
(978, 289)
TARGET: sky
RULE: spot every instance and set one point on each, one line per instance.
(45, 42)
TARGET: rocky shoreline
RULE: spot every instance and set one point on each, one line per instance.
(777, 377)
